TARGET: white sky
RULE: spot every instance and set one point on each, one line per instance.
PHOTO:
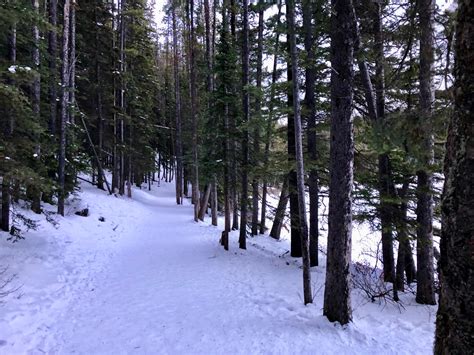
(443, 4)
(159, 12)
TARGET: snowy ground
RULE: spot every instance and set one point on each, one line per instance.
(149, 280)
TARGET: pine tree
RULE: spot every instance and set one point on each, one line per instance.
(337, 306)
(454, 326)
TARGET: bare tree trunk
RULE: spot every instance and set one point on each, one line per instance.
(280, 211)
(245, 134)
(337, 300)
(227, 145)
(194, 118)
(310, 103)
(295, 243)
(179, 144)
(308, 297)
(116, 162)
(258, 112)
(6, 199)
(454, 321)
(227, 180)
(207, 21)
(233, 130)
(6, 181)
(130, 169)
(214, 203)
(72, 64)
(100, 118)
(53, 55)
(205, 202)
(64, 107)
(121, 132)
(425, 293)
(34, 191)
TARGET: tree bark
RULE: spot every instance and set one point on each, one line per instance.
(205, 202)
(281, 209)
(64, 108)
(454, 321)
(337, 304)
(227, 143)
(72, 64)
(295, 243)
(308, 297)
(34, 191)
(214, 203)
(177, 96)
(233, 129)
(425, 293)
(53, 55)
(245, 134)
(121, 128)
(310, 110)
(258, 112)
(194, 119)
(100, 118)
(8, 131)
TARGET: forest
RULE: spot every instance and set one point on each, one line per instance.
(274, 122)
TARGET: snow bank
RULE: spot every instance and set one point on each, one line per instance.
(150, 280)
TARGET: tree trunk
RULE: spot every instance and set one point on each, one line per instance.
(34, 191)
(295, 243)
(337, 305)
(233, 129)
(454, 321)
(177, 96)
(214, 203)
(308, 297)
(116, 163)
(280, 211)
(64, 108)
(6, 183)
(53, 55)
(425, 293)
(72, 64)
(245, 120)
(121, 130)
(258, 112)
(205, 202)
(100, 118)
(195, 185)
(6, 197)
(310, 105)
(227, 146)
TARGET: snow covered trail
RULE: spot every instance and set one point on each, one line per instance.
(161, 284)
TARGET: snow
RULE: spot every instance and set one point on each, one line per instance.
(13, 68)
(150, 280)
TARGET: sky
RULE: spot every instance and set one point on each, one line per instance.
(159, 12)
(443, 4)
